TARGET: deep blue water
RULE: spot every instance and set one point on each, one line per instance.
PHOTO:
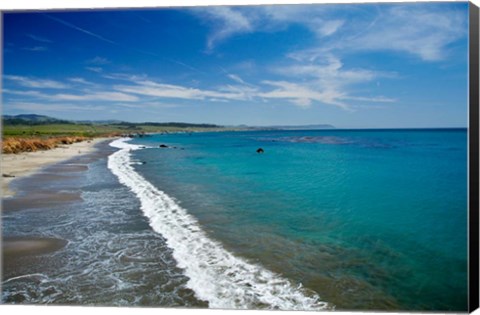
(368, 219)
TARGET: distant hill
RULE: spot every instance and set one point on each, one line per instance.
(169, 124)
(98, 122)
(31, 119)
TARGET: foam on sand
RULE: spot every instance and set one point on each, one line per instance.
(216, 276)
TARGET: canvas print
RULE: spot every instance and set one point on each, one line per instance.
(281, 157)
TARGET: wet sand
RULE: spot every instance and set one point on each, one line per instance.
(22, 246)
(15, 166)
(24, 253)
(43, 180)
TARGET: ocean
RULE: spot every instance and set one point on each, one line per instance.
(327, 219)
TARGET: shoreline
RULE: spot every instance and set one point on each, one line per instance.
(15, 166)
(39, 176)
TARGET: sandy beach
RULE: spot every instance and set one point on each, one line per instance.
(24, 164)
(45, 168)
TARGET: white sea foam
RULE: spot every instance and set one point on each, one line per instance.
(215, 275)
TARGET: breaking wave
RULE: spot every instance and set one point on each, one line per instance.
(215, 275)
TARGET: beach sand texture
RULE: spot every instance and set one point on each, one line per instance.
(18, 165)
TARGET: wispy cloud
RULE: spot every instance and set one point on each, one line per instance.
(40, 39)
(95, 69)
(302, 85)
(143, 105)
(425, 31)
(317, 19)
(226, 22)
(36, 83)
(81, 81)
(236, 78)
(302, 95)
(161, 90)
(77, 28)
(35, 94)
(422, 31)
(375, 99)
(96, 96)
(97, 60)
(229, 21)
(36, 48)
(324, 80)
(101, 95)
(417, 30)
(42, 107)
(125, 77)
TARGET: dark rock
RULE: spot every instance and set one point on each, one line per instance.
(8, 175)
(163, 146)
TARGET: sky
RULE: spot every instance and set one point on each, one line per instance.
(349, 65)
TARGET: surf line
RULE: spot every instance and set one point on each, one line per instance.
(215, 275)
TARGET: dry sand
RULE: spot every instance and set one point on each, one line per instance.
(24, 164)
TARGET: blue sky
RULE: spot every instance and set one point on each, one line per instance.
(349, 65)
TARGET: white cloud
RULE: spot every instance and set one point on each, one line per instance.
(36, 83)
(23, 93)
(107, 96)
(317, 18)
(36, 48)
(42, 107)
(161, 90)
(302, 95)
(227, 22)
(39, 39)
(425, 33)
(423, 30)
(125, 77)
(95, 96)
(77, 28)
(327, 28)
(325, 82)
(80, 80)
(321, 79)
(236, 78)
(376, 99)
(94, 69)
(98, 61)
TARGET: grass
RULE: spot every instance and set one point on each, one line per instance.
(18, 145)
(87, 130)
(30, 138)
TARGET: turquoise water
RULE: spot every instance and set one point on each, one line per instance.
(368, 219)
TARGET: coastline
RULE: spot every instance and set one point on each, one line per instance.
(38, 174)
(16, 166)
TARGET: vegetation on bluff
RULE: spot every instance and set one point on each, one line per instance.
(29, 133)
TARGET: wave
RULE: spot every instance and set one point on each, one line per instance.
(215, 275)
